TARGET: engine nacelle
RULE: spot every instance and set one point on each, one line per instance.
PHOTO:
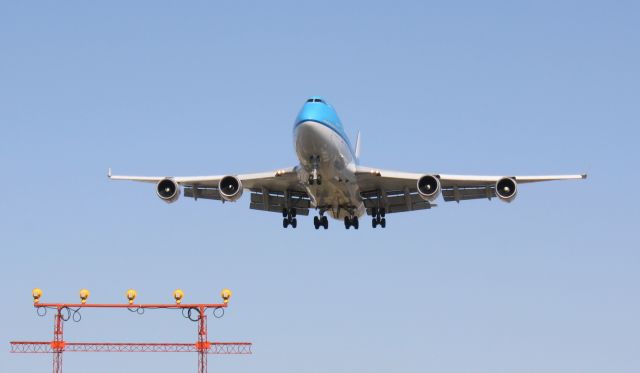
(230, 188)
(168, 190)
(506, 189)
(428, 187)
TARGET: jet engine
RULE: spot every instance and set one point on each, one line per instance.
(168, 190)
(428, 187)
(506, 189)
(230, 188)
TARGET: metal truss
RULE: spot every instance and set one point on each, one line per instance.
(214, 348)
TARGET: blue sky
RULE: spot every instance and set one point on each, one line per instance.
(547, 283)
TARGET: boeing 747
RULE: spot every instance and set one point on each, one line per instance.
(330, 180)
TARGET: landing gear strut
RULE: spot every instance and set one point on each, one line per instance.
(289, 218)
(351, 221)
(314, 178)
(378, 217)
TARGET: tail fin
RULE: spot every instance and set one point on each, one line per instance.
(358, 147)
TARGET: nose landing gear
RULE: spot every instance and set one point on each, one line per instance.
(314, 178)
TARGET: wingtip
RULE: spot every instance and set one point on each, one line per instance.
(109, 173)
(584, 176)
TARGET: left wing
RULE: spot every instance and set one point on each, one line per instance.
(405, 191)
(270, 191)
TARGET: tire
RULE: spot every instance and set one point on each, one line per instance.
(355, 222)
(316, 222)
(325, 222)
(293, 213)
(285, 223)
(294, 223)
(284, 213)
(382, 212)
(383, 223)
(347, 223)
(374, 223)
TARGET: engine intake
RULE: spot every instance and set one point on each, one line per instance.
(428, 187)
(506, 189)
(230, 188)
(168, 190)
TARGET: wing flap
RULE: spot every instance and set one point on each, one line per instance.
(204, 193)
(466, 193)
(277, 201)
(394, 201)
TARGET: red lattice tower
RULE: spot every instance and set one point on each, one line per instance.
(194, 312)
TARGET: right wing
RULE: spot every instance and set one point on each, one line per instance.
(270, 191)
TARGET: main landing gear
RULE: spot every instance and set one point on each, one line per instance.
(321, 221)
(289, 218)
(351, 221)
(314, 178)
(378, 217)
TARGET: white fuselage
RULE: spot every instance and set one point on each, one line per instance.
(318, 146)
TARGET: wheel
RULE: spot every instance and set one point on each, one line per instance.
(382, 212)
(374, 212)
(325, 222)
(319, 180)
(294, 223)
(284, 213)
(374, 223)
(293, 213)
(311, 180)
(347, 223)
(316, 222)
(285, 223)
(355, 222)
(383, 223)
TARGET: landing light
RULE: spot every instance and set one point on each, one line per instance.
(36, 293)
(226, 295)
(178, 295)
(84, 295)
(131, 295)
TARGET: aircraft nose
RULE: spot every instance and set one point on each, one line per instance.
(307, 135)
(310, 112)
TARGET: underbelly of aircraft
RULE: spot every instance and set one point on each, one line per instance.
(335, 190)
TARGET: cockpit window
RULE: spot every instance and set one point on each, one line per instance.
(310, 100)
(315, 100)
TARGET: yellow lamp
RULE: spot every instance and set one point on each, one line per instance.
(178, 295)
(84, 295)
(226, 295)
(131, 295)
(36, 293)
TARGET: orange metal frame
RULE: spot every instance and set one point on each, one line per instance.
(202, 345)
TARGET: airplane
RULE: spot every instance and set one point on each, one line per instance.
(330, 180)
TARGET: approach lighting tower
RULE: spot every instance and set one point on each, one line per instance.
(196, 312)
